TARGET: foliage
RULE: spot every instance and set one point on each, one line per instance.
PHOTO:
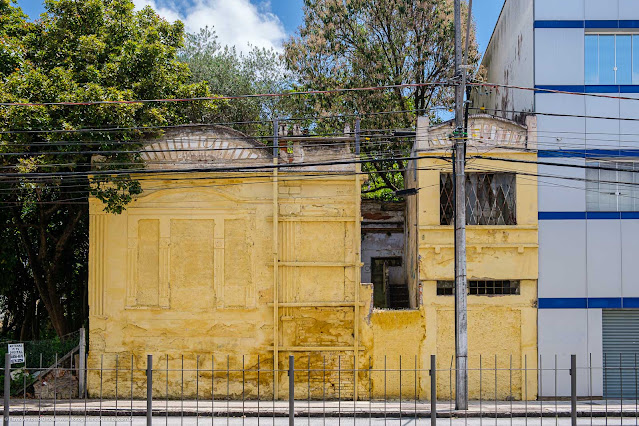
(232, 73)
(78, 51)
(39, 355)
(363, 43)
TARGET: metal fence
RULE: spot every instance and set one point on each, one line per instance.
(211, 389)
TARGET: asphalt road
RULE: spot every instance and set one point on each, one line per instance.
(330, 421)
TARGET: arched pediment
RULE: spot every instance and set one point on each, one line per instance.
(184, 196)
(203, 147)
(485, 132)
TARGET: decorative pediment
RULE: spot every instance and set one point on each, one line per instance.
(204, 147)
(484, 133)
(184, 197)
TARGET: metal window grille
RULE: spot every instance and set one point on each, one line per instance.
(490, 199)
(481, 288)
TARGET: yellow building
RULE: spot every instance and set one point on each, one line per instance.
(502, 251)
(222, 262)
(228, 262)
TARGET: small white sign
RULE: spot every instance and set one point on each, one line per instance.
(16, 352)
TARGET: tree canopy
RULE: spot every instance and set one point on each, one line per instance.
(76, 51)
(363, 43)
(233, 73)
(94, 50)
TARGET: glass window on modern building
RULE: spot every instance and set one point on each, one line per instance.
(490, 199)
(612, 186)
(612, 59)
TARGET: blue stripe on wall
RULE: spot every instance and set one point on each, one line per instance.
(630, 302)
(603, 24)
(562, 303)
(588, 303)
(587, 153)
(559, 24)
(604, 302)
(561, 88)
(595, 88)
(588, 215)
(562, 215)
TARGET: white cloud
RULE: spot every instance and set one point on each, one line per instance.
(236, 22)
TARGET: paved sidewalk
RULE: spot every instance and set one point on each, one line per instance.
(304, 408)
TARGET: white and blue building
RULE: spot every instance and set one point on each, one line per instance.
(588, 289)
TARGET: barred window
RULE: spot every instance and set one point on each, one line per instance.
(490, 199)
(481, 288)
(445, 288)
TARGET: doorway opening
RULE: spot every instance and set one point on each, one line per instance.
(390, 290)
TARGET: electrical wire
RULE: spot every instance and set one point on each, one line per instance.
(221, 98)
(545, 90)
(556, 114)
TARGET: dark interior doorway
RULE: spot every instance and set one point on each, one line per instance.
(390, 290)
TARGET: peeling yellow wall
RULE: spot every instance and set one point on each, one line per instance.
(398, 341)
(187, 271)
(501, 326)
(187, 274)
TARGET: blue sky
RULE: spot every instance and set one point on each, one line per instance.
(264, 23)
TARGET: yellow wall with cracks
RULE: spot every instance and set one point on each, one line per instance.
(186, 273)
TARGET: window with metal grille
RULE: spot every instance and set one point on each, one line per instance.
(490, 199)
(481, 288)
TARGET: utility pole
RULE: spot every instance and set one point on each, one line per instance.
(459, 138)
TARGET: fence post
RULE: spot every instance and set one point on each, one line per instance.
(149, 390)
(291, 390)
(433, 391)
(573, 389)
(82, 364)
(7, 388)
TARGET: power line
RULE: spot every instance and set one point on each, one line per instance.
(554, 114)
(90, 142)
(222, 98)
(282, 166)
(260, 179)
(151, 142)
(226, 123)
(546, 90)
(267, 178)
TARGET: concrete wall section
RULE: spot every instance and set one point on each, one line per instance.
(562, 259)
(560, 132)
(629, 256)
(555, 350)
(552, 10)
(509, 60)
(600, 10)
(628, 9)
(559, 56)
(629, 129)
(558, 194)
(602, 133)
(603, 260)
(564, 9)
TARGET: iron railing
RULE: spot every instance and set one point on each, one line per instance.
(314, 388)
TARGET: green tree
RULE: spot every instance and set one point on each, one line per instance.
(78, 51)
(234, 73)
(362, 43)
